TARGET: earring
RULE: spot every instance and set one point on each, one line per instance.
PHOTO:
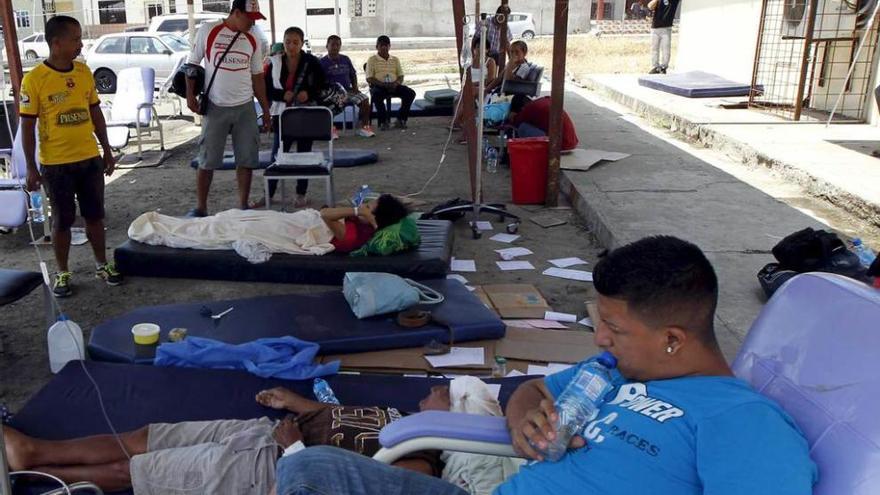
(669, 350)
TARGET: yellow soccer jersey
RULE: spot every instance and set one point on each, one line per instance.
(60, 101)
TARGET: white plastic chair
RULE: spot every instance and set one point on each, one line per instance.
(133, 108)
(14, 202)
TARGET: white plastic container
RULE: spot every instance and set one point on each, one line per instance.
(65, 343)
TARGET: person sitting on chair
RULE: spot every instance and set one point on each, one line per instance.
(677, 421)
(517, 69)
(385, 76)
(353, 226)
(339, 69)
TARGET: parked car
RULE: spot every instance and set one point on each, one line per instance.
(521, 25)
(178, 23)
(114, 52)
(33, 47)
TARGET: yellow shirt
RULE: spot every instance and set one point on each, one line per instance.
(378, 68)
(60, 102)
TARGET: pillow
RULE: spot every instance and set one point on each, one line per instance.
(401, 236)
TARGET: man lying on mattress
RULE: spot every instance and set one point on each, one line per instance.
(378, 227)
(238, 457)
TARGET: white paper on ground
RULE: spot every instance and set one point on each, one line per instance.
(469, 288)
(508, 238)
(545, 324)
(514, 373)
(483, 225)
(495, 388)
(587, 322)
(458, 356)
(511, 253)
(567, 262)
(569, 274)
(514, 265)
(553, 315)
(463, 265)
(458, 277)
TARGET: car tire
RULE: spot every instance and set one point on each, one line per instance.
(30, 55)
(105, 81)
(527, 35)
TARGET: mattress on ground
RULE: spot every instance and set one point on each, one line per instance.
(429, 260)
(695, 84)
(342, 158)
(134, 396)
(323, 318)
(441, 96)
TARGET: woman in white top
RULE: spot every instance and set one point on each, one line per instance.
(488, 75)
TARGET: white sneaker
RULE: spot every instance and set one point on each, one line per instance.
(335, 134)
(366, 131)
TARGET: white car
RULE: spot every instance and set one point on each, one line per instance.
(178, 23)
(520, 24)
(32, 47)
(114, 52)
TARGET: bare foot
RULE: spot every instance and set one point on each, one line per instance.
(276, 398)
(18, 449)
(287, 431)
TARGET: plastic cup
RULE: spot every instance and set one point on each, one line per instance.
(145, 333)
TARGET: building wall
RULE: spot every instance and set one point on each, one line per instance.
(718, 37)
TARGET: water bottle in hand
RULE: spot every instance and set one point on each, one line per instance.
(579, 403)
(361, 195)
(866, 256)
(37, 212)
(323, 392)
(492, 160)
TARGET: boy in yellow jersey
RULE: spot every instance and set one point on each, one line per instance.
(59, 99)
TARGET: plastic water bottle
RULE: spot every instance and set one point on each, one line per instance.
(38, 214)
(387, 78)
(65, 343)
(866, 256)
(579, 403)
(361, 195)
(492, 160)
(323, 392)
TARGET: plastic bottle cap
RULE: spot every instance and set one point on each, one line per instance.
(857, 242)
(63, 317)
(607, 359)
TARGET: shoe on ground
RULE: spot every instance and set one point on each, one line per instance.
(662, 70)
(196, 213)
(400, 124)
(334, 133)
(656, 70)
(384, 126)
(108, 273)
(366, 131)
(61, 288)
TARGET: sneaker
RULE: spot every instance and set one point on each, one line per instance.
(108, 273)
(335, 133)
(656, 70)
(400, 124)
(366, 131)
(62, 284)
(663, 70)
(196, 213)
(384, 126)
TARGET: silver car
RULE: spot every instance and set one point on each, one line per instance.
(114, 52)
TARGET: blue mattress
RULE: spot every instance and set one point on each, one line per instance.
(695, 84)
(324, 318)
(342, 158)
(429, 260)
(67, 407)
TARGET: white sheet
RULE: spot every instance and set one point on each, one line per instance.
(253, 234)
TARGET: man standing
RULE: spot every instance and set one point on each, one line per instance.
(60, 95)
(493, 33)
(385, 76)
(339, 69)
(230, 108)
(661, 33)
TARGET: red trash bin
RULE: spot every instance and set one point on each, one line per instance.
(528, 169)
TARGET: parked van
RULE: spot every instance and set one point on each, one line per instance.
(178, 23)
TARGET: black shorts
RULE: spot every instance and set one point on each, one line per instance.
(67, 184)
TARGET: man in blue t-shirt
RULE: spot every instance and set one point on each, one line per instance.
(676, 423)
(339, 69)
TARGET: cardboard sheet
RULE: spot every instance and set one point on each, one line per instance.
(557, 346)
(516, 300)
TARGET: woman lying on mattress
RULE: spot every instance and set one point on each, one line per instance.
(376, 228)
(238, 456)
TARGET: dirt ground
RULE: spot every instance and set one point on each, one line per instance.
(407, 159)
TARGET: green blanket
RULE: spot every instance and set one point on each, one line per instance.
(392, 239)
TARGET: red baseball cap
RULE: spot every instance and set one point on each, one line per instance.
(249, 7)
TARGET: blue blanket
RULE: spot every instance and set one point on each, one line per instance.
(282, 357)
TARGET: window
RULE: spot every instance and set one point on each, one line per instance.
(30, 39)
(154, 9)
(22, 19)
(40, 38)
(112, 45)
(111, 11)
(172, 6)
(176, 43)
(145, 46)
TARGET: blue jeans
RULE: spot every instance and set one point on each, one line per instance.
(332, 471)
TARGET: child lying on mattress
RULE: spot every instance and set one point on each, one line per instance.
(238, 456)
(379, 227)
